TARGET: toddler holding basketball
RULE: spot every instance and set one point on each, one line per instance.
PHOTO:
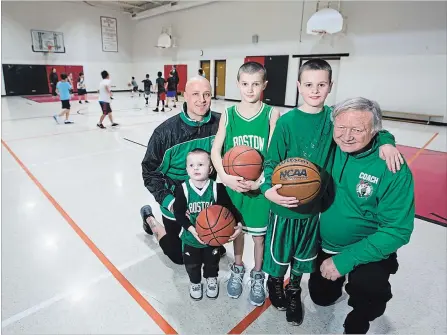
(191, 197)
(292, 235)
(249, 123)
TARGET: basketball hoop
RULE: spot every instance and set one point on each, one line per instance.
(50, 48)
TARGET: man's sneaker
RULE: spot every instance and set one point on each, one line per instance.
(115, 124)
(155, 110)
(196, 291)
(56, 118)
(356, 324)
(100, 125)
(234, 285)
(212, 288)
(257, 291)
(145, 212)
(276, 292)
(68, 122)
(294, 313)
(163, 109)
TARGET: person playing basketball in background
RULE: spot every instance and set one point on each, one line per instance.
(105, 94)
(252, 118)
(147, 88)
(193, 196)
(172, 88)
(63, 89)
(134, 87)
(161, 91)
(82, 92)
(53, 78)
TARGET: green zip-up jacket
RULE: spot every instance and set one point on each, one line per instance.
(308, 136)
(372, 214)
(164, 164)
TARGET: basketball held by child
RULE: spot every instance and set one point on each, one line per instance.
(299, 178)
(215, 225)
(243, 161)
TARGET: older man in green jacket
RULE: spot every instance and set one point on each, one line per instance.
(369, 218)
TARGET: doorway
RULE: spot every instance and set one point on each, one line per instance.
(205, 65)
(219, 79)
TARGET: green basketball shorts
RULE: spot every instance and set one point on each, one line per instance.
(290, 242)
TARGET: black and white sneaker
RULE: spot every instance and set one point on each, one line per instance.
(100, 125)
(294, 313)
(276, 292)
(196, 291)
(145, 212)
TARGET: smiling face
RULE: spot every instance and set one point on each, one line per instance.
(251, 86)
(198, 97)
(353, 130)
(314, 86)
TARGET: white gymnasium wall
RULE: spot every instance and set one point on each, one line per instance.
(231, 89)
(80, 24)
(392, 45)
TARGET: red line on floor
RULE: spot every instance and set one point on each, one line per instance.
(147, 307)
(258, 311)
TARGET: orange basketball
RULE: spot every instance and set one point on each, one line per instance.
(299, 178)
(243, 161)
(215, 225)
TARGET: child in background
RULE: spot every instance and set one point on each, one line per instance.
(82, 92)
(161, 91)
(192, 196)
(147, 88)
(134, 87)
(63, 89)
(172, 87)
(105, 95)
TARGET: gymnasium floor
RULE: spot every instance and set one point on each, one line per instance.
(76, 261)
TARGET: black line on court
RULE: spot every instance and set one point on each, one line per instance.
(439, 223)
(439, 216)
(135, 142)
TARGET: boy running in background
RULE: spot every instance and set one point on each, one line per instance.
(251, 118)
(82, 91)
(63, 89)
(161, 91)
(147, 89)
(292, 234)
(172, 87)
(105, 94)
(134, 87)
(192, 196)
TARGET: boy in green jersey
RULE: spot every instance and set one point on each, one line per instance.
(194, 195)
(292, 234)
(249, 123)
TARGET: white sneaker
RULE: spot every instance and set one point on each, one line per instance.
(212, 288)
(196, 291)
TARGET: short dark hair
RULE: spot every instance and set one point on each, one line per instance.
(63, 76)
(147, 75)
(133, 77)
(252, 67)
(159, 73)
(200, 151)
(200, 71)
(315, 64)
(104, 74)
(81, 74)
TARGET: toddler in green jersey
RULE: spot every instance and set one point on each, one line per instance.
(251, 123)
(191, 197)
(292, 234)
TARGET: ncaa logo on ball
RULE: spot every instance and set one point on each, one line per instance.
(293, 174)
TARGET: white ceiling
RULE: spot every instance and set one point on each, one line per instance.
(132, 7)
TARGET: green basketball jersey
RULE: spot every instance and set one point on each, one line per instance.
(197, 200)
(253, 132)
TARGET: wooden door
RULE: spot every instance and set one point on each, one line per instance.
(206, 67)
(220, 78)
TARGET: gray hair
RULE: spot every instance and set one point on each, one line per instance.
(361, 105)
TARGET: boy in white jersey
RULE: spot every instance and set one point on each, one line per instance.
(105, 94)
(250, 123)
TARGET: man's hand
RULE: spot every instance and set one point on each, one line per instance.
(193, 231)
(272, 195)
(237, 232)
(235, 183)
(329, 271)
(392, 156)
